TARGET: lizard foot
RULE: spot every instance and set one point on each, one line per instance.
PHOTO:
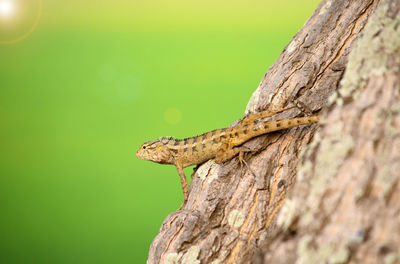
(243, 161)
(182, 205)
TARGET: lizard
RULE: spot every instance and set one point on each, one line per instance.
(221, 144)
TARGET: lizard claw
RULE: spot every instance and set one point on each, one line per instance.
(182, 205)
(242, 160)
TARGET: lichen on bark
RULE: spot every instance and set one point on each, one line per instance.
(341, 204)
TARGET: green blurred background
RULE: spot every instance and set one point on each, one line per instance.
(84, 83)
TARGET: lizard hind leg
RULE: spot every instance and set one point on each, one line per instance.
(226, 153)
(243, 161)
(252, 117)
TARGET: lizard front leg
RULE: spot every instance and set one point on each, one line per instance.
(184, 184)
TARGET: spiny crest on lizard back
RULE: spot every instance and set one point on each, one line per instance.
(166, 140)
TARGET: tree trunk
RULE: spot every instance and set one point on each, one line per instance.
(341, 202)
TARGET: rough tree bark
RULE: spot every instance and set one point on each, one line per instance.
(341, 202)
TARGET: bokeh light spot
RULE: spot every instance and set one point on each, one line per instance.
(6, 8)
(18, 19)
(127, 88)
(172, 116)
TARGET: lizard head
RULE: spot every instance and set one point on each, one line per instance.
(156, 151)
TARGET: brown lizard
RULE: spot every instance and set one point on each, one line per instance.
(221, 144)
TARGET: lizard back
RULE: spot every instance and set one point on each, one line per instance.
(196, 150)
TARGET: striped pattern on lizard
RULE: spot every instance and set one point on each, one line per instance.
(221, 144)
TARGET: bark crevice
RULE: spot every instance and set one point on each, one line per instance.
(325, 193)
